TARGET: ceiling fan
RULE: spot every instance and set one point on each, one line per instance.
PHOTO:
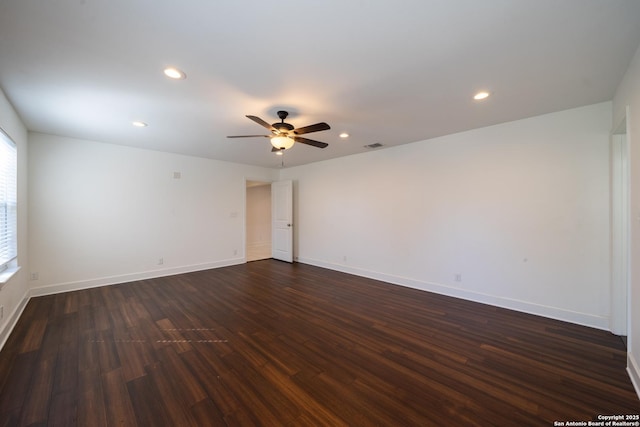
(283, 135)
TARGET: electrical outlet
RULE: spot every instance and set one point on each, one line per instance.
(160, 261)
(1, 312)
(235, 252)
(458, 277)
(35, 276)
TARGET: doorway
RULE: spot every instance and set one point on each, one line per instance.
(620, 231)
(258, 220)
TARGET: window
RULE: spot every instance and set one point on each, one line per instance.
(8, 201)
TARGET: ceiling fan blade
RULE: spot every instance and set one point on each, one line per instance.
(310, 142)
(249, 136)
(312, 128)
(261, 122)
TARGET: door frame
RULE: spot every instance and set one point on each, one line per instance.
(620, 303)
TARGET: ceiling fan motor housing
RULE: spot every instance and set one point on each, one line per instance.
(282, 127)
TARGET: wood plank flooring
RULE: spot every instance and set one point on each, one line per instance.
(273, 344)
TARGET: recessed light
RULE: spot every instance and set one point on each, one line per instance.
(174, 73)
(344, 135)
(139, 124)
(481, 95)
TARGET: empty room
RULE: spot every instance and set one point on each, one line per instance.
(297, 213)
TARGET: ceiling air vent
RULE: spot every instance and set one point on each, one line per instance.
(374, 145)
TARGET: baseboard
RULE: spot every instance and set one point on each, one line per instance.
(583, 319)
(634, 372)
(114, 280)
(12, 320)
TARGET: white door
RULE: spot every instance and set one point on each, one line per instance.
(282, 219)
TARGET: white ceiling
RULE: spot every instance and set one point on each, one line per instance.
(388, 71)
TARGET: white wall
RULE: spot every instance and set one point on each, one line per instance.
(102, 213)
(13, 295)
(520, 210)
(628, 95)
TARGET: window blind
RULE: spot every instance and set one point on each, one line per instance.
(8, 201)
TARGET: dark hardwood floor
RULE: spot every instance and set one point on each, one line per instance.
(269, 343)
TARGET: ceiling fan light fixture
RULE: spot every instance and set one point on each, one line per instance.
(282, 142)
